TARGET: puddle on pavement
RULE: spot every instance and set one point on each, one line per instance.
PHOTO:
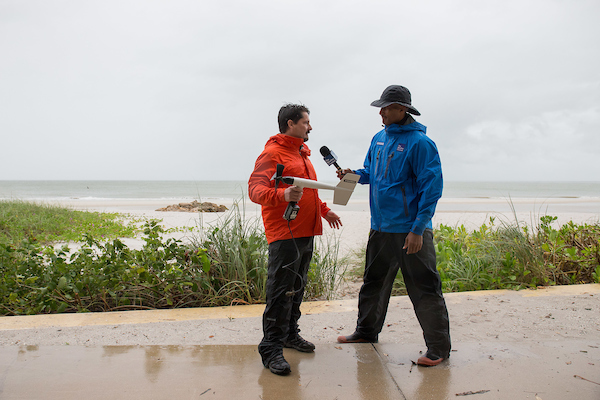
(141, 372)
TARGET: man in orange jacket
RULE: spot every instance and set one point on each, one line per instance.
(290, 242)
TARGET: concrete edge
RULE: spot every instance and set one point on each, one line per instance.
(245, 311)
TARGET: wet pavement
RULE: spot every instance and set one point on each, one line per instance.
(363, 371)
(550, 371)
(559, 363)
(174, 372)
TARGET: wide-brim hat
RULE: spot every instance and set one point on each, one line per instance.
(396, 94)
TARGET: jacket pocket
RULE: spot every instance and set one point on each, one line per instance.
(387, 165)
(404, 200)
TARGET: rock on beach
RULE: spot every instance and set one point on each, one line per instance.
(195, 206)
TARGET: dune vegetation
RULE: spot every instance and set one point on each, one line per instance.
(56, 260)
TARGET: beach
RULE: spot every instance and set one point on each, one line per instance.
(463, 203)
(454, 212)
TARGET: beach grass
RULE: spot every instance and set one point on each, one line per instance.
(327, 268)
(44, 223)
(512, 256)
(224, 264)
(237, 249)
(509, 255)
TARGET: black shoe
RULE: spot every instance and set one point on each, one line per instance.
(279, 366)
(298, 343)
(356, 338)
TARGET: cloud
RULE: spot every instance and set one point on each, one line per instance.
(557, 146)
(190, 90)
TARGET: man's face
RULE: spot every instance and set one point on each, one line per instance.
(301, 128)
(392, 114)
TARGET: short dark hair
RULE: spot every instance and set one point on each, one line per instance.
(290, 111)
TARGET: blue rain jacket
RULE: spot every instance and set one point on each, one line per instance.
(404, 172)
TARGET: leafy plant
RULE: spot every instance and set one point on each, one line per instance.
(102, 276)
(509, 256)
(226, 263)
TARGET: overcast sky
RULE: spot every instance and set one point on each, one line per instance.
(170, 90)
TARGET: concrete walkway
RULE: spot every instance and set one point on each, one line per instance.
(532, 344)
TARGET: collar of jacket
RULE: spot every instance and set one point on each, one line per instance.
(291, 142)
(397, 129)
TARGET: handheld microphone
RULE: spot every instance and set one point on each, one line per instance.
(329, 157)
(291, 212)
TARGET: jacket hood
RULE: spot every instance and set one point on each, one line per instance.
(289, 141)
(396, 129)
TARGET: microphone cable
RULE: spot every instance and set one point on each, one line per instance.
(292, 292)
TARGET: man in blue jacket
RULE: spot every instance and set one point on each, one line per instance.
(404, 172)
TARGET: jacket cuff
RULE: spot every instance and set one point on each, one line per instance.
(281, 195)
(363, 178)
(418, 229)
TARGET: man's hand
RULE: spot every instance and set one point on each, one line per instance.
(333, 219)
(340, 174)
(292, 193)
(413, 243)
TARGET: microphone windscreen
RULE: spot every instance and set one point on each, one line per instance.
(325, 151)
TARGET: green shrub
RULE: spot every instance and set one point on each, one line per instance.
(571, 253)
(103, 276)
(509, 256)
(225, 264)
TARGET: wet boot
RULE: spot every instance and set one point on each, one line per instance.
(278, 365)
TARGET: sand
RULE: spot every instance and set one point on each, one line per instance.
(471, 213)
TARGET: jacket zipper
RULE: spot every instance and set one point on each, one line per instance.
(387, 166)
(404, 200)
(375, 194)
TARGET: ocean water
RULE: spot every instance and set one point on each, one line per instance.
(232, 190)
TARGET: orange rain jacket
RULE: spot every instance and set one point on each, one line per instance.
(293, 154)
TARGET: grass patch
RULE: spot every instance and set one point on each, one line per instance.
(42, 223)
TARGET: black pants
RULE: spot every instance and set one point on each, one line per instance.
(287, 277)
(384, 257)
